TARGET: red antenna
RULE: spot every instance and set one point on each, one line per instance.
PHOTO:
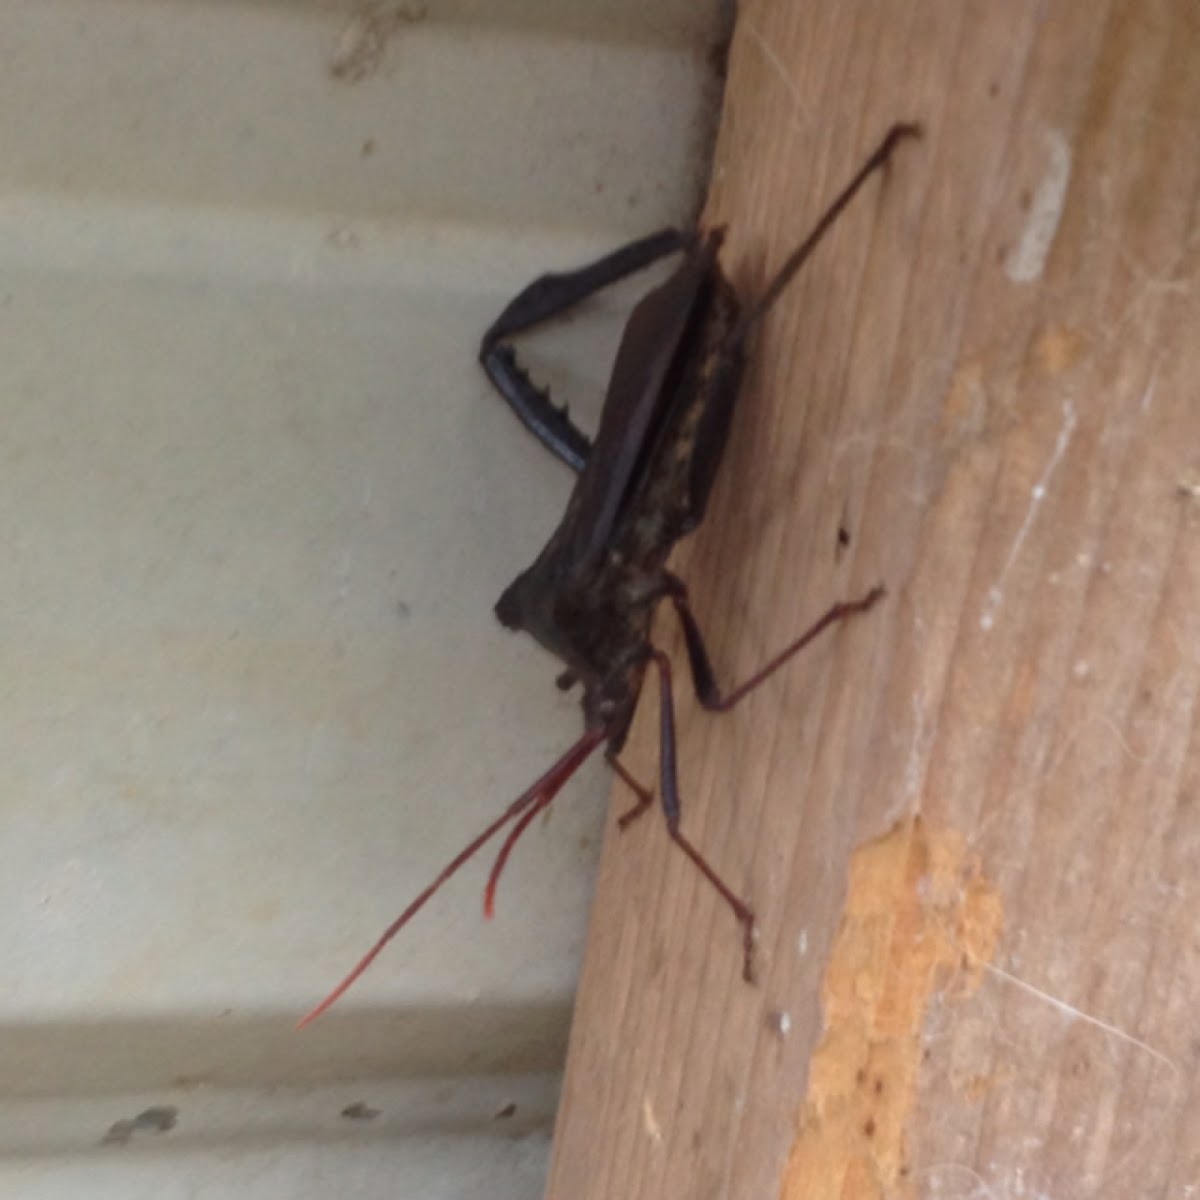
(538, 795)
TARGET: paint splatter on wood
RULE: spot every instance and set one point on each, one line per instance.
(920, 920)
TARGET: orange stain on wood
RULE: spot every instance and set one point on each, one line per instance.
(920, 919)
(965, 406)
(1058, 349)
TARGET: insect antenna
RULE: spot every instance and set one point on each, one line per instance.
(538, 795)
(543, 802)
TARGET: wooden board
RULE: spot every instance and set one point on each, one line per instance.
(970, 821)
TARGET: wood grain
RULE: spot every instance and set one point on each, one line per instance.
(989, 377)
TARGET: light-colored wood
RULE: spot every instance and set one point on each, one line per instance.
(989, 376)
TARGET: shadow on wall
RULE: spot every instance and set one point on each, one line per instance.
(228, 1050)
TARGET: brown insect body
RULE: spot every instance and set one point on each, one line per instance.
(590, 596)
(644, 483)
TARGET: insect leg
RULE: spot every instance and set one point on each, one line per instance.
(546, 297)
(669, 787)
(704, 680)
(878, 159)
(723, 370)
(645, 796)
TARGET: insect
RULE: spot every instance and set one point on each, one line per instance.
(643, 483)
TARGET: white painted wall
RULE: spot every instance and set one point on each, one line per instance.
(256, 502)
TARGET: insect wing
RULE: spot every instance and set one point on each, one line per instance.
(634, 405)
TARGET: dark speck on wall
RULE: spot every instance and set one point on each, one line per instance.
(150, 1120)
